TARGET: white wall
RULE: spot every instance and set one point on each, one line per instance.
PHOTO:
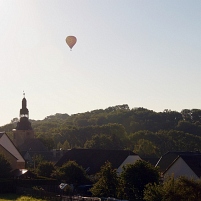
(129, 160)
(180, 168)
(8, 145)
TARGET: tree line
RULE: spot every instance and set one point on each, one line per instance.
(146, 132)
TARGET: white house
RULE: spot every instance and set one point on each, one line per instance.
(130, 159)
(8, 149)
(180, 164)
(92, 159)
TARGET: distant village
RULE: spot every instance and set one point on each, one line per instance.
(21, 150)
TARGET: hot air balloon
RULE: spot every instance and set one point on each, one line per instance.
(71, 40)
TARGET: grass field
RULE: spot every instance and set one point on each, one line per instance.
(9, 197)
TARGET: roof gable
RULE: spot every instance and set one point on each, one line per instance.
(167, 159)
(1, 134)
(180, 168)
(9, 146)
(46, 155)
(194, 162)
(92, 159)
(5, 150)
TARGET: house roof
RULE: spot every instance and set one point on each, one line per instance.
(33, 145)
(1, 134)
(92, 159)
(151, 160)
(46, 155)
(2, 147)
(167, 159)
(7, 143)
(194, 162)
(52, 156)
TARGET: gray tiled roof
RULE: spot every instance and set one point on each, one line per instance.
(1, 134)
(194, 162)
(167, 159)
(92, 159)
(32, 145)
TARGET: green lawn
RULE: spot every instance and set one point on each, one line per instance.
(9, 197)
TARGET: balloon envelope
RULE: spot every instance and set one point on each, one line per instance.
(71, 40)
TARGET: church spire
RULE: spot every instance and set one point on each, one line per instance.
(24, 112)
(23, 131)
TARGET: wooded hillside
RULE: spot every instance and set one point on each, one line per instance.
(143, 131)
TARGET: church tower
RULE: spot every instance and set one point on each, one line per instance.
(23, 130)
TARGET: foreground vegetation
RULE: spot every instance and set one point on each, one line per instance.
(8, 197)
(137, 182)
(179, 189)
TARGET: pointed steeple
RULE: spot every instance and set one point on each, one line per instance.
(23, 130)
(24, 112)
(24, 123)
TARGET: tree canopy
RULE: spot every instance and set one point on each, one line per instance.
(136, 176)
(119, 127)
(172, 189)
(71, 173)
(107, 182)
(45, 169)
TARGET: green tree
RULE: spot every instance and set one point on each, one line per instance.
(153, 192)
(72, 173)
(188, 188)
(59, 145)
(14, 121)
(5, 167)
(186, 114)
(179, 189)
(45, 169)
(136, 176)
(146, 148)
(37, 159)
(107, 183)
(160, 140)
(66, 145)
(99, 142)
(196, 115)
(187, 127)
(47, 141)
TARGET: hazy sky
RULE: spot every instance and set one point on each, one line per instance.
(137, 52)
